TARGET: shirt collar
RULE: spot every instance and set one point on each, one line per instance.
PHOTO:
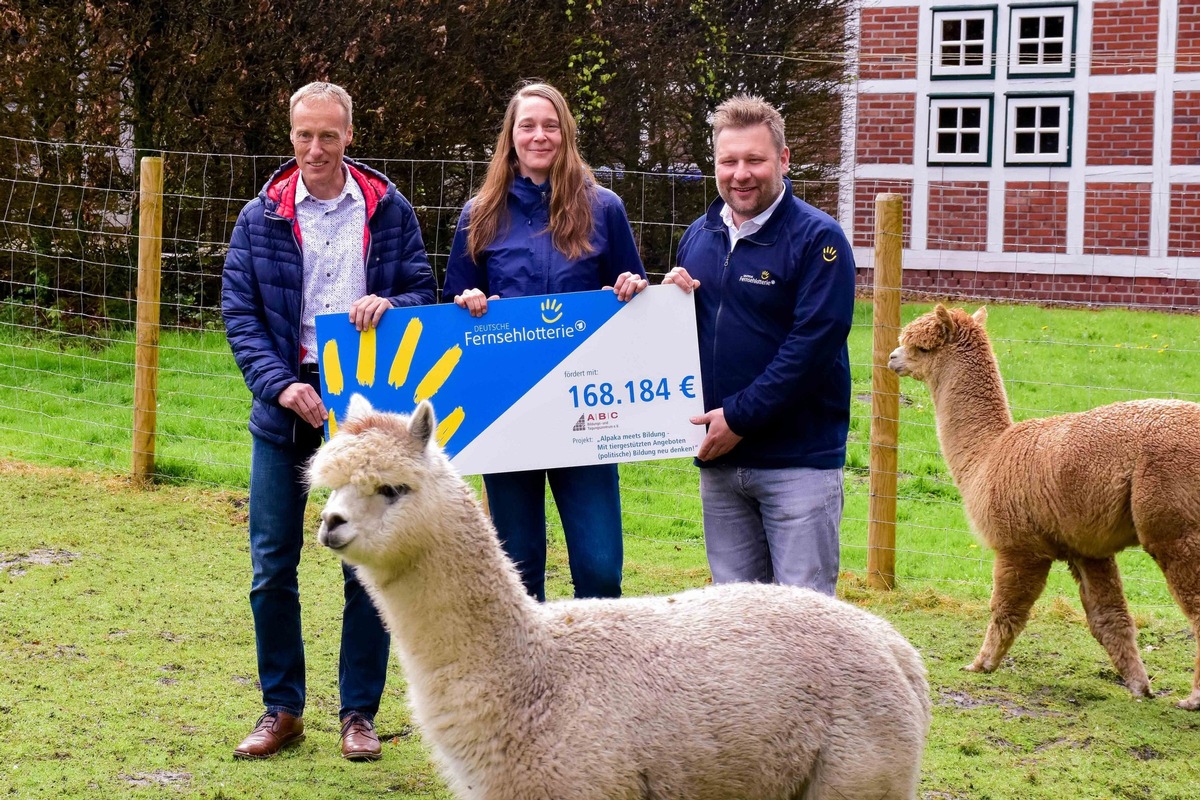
(754, 223)
(349, 188)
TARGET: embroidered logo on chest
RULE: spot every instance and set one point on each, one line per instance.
(762, 279)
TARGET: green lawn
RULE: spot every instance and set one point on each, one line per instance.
(125, 628)
(129, 666)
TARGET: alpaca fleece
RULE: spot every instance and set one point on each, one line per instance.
(1076, 487)
(739, 691)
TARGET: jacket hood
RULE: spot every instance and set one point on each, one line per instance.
(279, 192)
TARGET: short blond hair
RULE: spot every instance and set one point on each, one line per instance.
(320, 90)
(746, 111)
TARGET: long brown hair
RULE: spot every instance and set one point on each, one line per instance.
(571, 181)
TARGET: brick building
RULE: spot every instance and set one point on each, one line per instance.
(1046, 150)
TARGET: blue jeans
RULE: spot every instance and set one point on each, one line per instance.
(773, 525)
(589, 505)
(278, 494)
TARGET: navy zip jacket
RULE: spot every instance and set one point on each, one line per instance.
(261, 287)
(523, 261)
(773, 316)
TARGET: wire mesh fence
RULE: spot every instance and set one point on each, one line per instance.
(68, 284)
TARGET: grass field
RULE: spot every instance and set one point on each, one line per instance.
(129, 667)
(129, 657)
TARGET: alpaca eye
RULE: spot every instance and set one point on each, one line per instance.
(393, 492)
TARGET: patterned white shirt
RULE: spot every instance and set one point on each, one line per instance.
(335, 274)
(752, 225)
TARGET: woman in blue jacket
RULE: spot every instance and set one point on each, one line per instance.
(541, 225)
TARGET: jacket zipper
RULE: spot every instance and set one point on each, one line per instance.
(370, 239)
(549, 256)
(300, 250)
(720, 307)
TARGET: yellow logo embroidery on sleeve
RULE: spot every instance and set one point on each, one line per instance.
(829, 254)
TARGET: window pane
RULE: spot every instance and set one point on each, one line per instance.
(975, 30)
(1024, 143)
(1028, 53)
(1026, 117)
(1030, 28)
(952, 30)
(973, 56)
(972, 117)
(950, 56)
(947, 118)
(1050, 116)
(970, 143)
(1055, 27)
(946, 142)
(1053, 53)
(1049, 143)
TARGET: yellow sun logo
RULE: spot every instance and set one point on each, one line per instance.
(829, 254)
(551, 311)
(766, 276)
(426, 387)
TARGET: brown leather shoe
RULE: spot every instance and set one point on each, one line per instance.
(274, 731)
(360, 742)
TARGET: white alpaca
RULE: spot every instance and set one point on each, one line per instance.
(739, 691)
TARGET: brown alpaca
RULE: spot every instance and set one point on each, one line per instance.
(1077, 487)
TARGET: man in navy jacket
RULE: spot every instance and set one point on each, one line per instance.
(325, 235)
(774, 283)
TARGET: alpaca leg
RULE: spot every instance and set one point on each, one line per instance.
(1178, 559)
(1192, 703)
(1109, 620)
(1017, 580)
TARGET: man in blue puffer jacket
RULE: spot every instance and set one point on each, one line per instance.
(774, 282)
(325, 235)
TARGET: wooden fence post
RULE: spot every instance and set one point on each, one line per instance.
(145, 379)
(885, 392)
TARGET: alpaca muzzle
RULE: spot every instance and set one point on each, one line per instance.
(334, 532)
(896, 361)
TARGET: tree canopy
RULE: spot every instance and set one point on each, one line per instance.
(430, 78)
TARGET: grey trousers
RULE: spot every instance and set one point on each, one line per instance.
(773, 525)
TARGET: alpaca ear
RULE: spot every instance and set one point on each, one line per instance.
(359, 407)
(946, 321)
(422, 423)
(980, 315)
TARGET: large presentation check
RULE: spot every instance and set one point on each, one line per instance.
(536, 382)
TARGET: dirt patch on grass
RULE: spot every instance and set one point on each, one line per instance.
(1010, 708)
(160, 777)
(950, 697)
(16, 563)
(405, 732)
(1145, 753)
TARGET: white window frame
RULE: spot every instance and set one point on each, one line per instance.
(1041, 69)
(1064, 103)
(937, 103)
(987, 68)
